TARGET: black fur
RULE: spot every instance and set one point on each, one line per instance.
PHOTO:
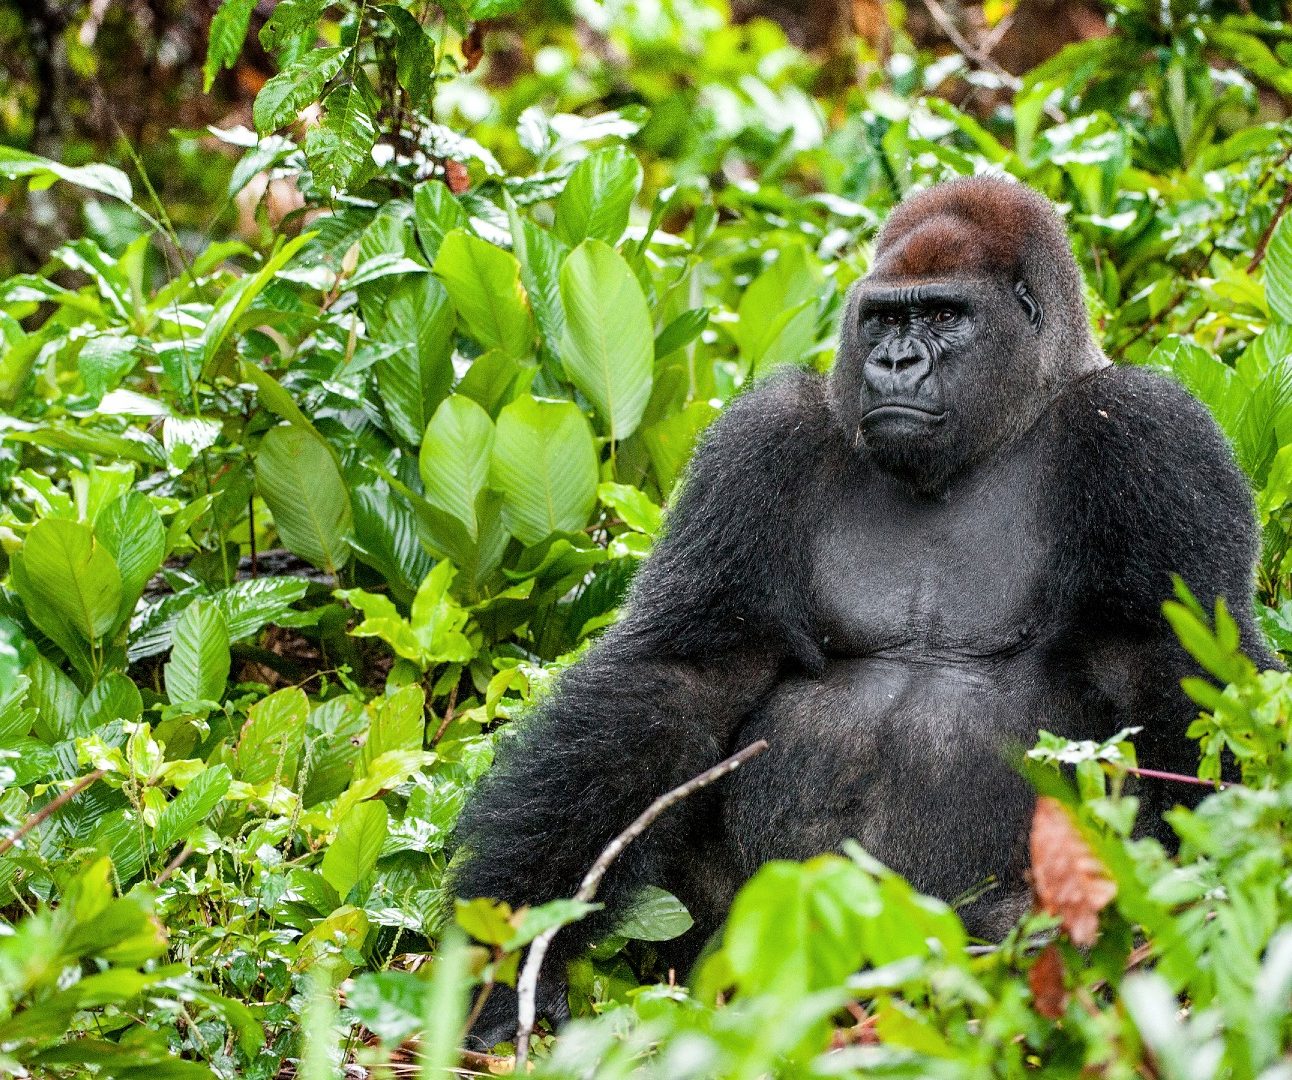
(891, 603)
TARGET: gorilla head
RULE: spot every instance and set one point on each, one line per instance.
(969, 322)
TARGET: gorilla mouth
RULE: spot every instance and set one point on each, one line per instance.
(904, 411)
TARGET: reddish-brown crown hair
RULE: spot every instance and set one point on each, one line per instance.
(981, 224)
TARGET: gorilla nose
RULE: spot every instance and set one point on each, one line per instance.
(898, 369)
(901, 356)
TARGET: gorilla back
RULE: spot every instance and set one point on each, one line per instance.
(893, 575)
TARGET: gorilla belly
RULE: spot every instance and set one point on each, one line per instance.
(908, 755)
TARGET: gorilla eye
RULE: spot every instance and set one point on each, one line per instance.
(944, 316)
(889, 318)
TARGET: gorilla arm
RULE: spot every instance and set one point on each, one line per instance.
(1162, 496)
(714, 615)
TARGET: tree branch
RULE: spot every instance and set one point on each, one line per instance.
(51, 807)
(527, 985)
(1177, 778)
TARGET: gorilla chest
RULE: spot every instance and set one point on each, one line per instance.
(934, 620)
(959, 578)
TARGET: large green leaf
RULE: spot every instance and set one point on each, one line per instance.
(228, 32)
(545, 465)
(336, 732)
(339, 150)
(455, 456)
(249, 605)
(71, 572)
(353, 854)
(1278, 271)
(418, 318)
(484, 282)
(298, 85)
(56, 700)
(436, 213)
(1205, 376)
(609, 344)
(114, 697)
(415, 56)
(235, 302)
(777, 313)
(656, 915)
(199, 660)
(292, 23)
(299, 480)
(598, 195)
(671, 442)
(398, 723)
(386, 538)
(271, 739)
(191, 806)
(132, 532)
(18, 164)
(540, 254)
(442, 533)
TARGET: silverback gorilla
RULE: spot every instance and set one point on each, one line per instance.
(893, 575)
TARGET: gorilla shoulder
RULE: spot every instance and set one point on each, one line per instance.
(732, 561)
(1157, 493)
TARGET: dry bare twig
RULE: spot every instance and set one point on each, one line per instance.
(527, 984)
(51, 807)
(980, 58)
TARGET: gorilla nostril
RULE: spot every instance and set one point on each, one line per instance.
(900, 358)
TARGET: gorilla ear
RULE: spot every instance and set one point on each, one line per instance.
(1035, 313)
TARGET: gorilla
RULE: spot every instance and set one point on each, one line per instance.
(895, 574)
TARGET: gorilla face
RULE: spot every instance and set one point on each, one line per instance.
(938, 372)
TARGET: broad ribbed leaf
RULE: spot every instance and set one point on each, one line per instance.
(545, 465)
(681, 332)
(1206, 376)
(269, 745)
(283, 97)
(436, 213)
(454, 459)
(670, 442)
(106, 180)
(484, 282)
(540, 254)
(353, 854)
(132, 532)
(68, 569)
(656, 915)
(789, 339)
(192, 806)
(299, 480)
(115, 697)
(274, 397)
(249, 605)
(235, 301)
(290, 22)
(1278, 271)
(766, 307)
(598, 195)
(609, 345)
(198, 667)
(398, 723)
(228, 32)
(415, 56)
(386, 538)
(418, 318)
(339, 150)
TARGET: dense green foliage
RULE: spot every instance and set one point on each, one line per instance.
(457, 385)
